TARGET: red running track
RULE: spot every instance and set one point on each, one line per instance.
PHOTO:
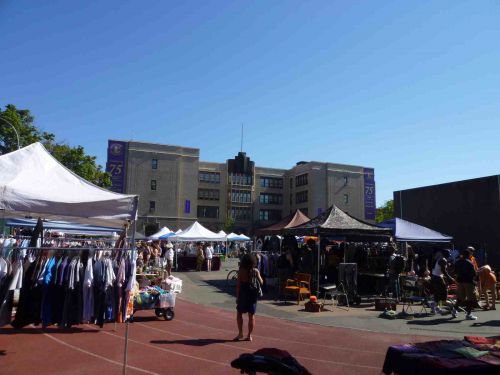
(197, 341)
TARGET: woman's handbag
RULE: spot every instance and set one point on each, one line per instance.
(255, 286)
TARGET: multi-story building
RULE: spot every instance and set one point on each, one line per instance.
(176, 188)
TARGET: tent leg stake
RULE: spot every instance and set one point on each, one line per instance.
(125, 350)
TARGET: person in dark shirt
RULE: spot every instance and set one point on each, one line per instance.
(465, 274)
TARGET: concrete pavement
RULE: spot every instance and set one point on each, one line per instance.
(210, 289)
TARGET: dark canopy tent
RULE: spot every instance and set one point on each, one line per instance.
(292, 220)
(335, 222)
(406, 231)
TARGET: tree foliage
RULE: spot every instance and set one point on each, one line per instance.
(385, 212)
(73, 158)
(229, 225)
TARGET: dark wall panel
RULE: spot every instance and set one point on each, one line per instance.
(468, 210)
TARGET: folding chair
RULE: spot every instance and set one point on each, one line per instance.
(409, 296)
(334, 293)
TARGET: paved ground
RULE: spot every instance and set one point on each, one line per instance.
(198, 340)
(210, 288)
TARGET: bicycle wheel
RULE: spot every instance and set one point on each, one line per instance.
(232, 277)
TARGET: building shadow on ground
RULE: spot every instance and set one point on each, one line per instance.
(40, 331)
(150, 318)
(191, 342)
(488, 323)
(434, 322)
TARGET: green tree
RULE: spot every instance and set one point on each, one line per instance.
(73, 158)
(229, 225)
(385, 212)
(22, 120)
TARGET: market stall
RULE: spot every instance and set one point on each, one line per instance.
(196, 233)
(34, 184)
(336, 225)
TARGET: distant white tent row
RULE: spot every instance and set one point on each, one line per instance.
(163, 231)
(197, 232)
(237, 237)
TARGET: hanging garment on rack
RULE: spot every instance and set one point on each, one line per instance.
(88, 292)
(30, 297)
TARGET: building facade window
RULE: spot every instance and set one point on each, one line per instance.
(154, 163)
(208, 212)
(209, 194)
(301, 197)
(153, 184)
(241, 196)
(270, 198)
(346, 198)
(346, 180)
(271, 182)
(269, 215)
(301, 180)
(152, 206)
(241, 213)
(209, 177)
(240, 179)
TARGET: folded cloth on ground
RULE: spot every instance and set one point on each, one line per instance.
(478, 340)
(468, 352)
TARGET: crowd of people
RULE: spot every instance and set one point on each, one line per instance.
(459, 273)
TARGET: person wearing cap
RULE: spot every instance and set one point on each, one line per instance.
(472, 250)
(466, 289)
(169, 255)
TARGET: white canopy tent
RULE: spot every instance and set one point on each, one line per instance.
(237, 237)
(33, 183)
(197, 232)
(163, 231)
(222, 233)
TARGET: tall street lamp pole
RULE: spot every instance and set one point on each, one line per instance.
(15, 130)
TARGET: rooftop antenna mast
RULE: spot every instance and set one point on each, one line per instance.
(241, 137)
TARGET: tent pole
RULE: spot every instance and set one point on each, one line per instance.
(134, 227)
(317, 268)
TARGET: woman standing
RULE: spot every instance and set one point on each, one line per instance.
(246, 295)
(200, 257)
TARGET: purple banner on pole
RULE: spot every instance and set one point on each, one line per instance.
(116, 165)
(187, 206)
(369, 185)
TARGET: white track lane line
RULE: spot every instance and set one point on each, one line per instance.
(289, 341)
(98, 356)
(251, 350)
(168, 350)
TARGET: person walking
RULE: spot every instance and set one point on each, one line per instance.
(246, 295)
(439, 280)
(200, 257)
(169, 256)
(209, 253)
(466, 290)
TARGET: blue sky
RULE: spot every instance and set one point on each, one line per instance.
(411, 88)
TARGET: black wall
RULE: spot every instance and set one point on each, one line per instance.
(467, 210)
